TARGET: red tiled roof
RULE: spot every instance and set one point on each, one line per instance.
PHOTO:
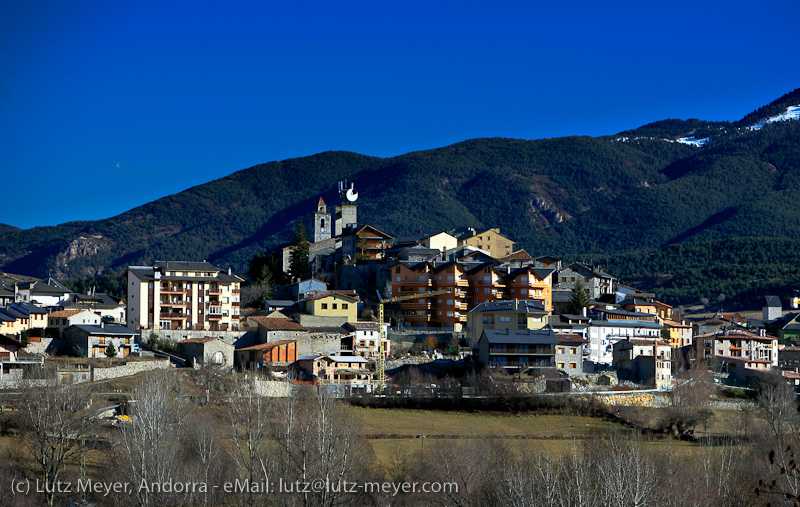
(569, 338)
(519, 255)
(277, 324)
(65, 313)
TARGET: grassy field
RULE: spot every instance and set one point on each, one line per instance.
(397, 434)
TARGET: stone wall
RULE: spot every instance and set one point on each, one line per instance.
(318, 343)
(42, 346)
(236, 338)
(130, 368)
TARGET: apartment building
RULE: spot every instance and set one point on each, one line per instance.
(469, 285)
(183, 295)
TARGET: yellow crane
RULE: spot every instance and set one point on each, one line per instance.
(381, 364)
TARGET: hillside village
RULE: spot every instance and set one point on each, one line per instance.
(349, 315)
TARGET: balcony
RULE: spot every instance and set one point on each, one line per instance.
(215, 316)
(171, 315)
(172, 289)
(214, 291)
(173, 302)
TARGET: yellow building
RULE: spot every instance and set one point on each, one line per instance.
(333, 304)
(488, 240)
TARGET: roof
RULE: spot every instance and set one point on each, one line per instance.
(29, 308)
(268, 345)
(148, 272)
(278, 324)
(540, 273)
(66, 313)
(595, 271)
(564, 338)
(626, 313)
(279, 302)
(356, 232)
(107, 329)
(625, 323)
(520, 336)
(49, 286)
(352, 295)
(519, 255)
(100, 299)
(772, 301)
(362, 325)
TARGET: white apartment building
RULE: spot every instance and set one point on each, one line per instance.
(183, 295)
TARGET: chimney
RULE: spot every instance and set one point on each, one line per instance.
(583, 311)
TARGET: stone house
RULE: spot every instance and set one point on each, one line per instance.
(94, 340)
(570, 353)
(644, 361)
(595, 281)
(207, 351)
(276, 327)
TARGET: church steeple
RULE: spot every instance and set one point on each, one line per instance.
(322, 222)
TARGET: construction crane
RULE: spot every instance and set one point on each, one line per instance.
(381, 363)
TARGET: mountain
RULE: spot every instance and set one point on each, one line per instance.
(666, 183)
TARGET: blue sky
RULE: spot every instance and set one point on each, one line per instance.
(105, 106)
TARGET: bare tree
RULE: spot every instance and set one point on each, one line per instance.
(777, 402)
(319, 440)
(150, 445)
(688, 401)
(56, 422)
(249, 415)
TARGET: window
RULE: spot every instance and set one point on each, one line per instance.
(521, 319)
(450, 314)
(574, 350)
(523, 291)
(488, 319)
(523, 279)
(486, 290)
(449, 302)
(561, 365)
(335, 306)
(324, 306)
(397, 278)
(397, 269)
(505, 318)
(345, 306)
(573, 365)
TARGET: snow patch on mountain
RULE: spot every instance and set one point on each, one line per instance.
(694, 141)
(791, 113)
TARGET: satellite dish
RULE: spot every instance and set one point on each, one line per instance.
(352, 195)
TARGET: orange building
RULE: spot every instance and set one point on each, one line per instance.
(470, 284)
(278, 354)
